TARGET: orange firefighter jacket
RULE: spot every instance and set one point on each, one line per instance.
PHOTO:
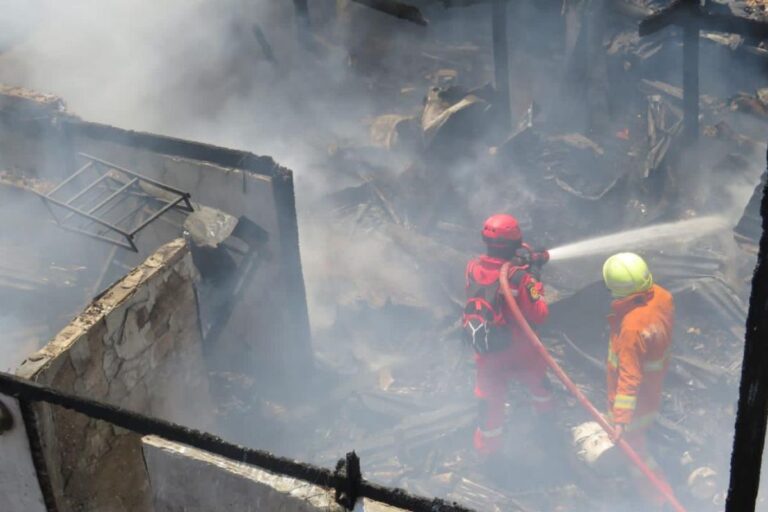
(638, 356)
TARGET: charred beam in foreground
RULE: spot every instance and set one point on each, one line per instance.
(343, 481)
(752, 413)
(397, 9)
(748, 230)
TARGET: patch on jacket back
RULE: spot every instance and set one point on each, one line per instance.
(533, 291)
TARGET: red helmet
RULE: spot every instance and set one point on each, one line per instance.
(501, 229)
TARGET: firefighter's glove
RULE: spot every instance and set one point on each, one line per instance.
(535, 290)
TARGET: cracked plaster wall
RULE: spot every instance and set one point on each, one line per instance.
(137, 346)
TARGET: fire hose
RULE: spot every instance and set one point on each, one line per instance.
(625, 447)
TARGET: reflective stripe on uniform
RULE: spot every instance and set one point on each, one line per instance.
(613, 358)
(656, 365)
(496, 432)
(625, 402)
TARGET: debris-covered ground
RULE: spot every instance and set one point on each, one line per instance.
(385, 306)
(593, 145)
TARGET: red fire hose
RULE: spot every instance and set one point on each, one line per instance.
(661, 486)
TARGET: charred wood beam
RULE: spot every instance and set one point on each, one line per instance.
(397, 9)
(631, 9)
(501, 61)
(301, 9)
(748, 230)
(751, 416)
(266, 48)
(675, 14)
(691, 16)
(691, 90)
(750, 29)
(684, 12)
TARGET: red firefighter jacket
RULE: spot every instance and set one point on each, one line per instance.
(638, 356)
(527, 290)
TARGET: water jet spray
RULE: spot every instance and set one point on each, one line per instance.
(648, 236)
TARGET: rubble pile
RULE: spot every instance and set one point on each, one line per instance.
(411, 199)
(593, 143)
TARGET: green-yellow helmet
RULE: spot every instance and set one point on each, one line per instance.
(626, 273)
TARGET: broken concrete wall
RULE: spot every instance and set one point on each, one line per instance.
(270, 317)
(137, 346)
(257, 193)
(184, 478)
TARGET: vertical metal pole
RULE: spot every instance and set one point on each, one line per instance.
(749, 438)
(691, 81)
(501, 61)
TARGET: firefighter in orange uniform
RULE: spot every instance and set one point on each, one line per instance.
(641, 325)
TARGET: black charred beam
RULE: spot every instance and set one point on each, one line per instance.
(501, 61)
(397, 9)
(266, 48)
(749, 228)
(750, 29)
(688, 14)
(28, 391)
(631, 9)
(684, 12)
(301, 9)
(751, 416)
(691, 90)
(675, 14)
(302, 13)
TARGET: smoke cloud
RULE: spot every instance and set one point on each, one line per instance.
(196, 69)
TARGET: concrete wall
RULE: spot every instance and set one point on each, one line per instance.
(250, 337)
(188, 479)
(138, 346)
(268, 333)
(19, 489)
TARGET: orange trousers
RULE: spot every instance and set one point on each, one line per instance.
(647, 491)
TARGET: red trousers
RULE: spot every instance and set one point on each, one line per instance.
(521, 363)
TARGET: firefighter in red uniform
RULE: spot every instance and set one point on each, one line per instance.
(502, 354)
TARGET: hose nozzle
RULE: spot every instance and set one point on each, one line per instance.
(536, 258)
